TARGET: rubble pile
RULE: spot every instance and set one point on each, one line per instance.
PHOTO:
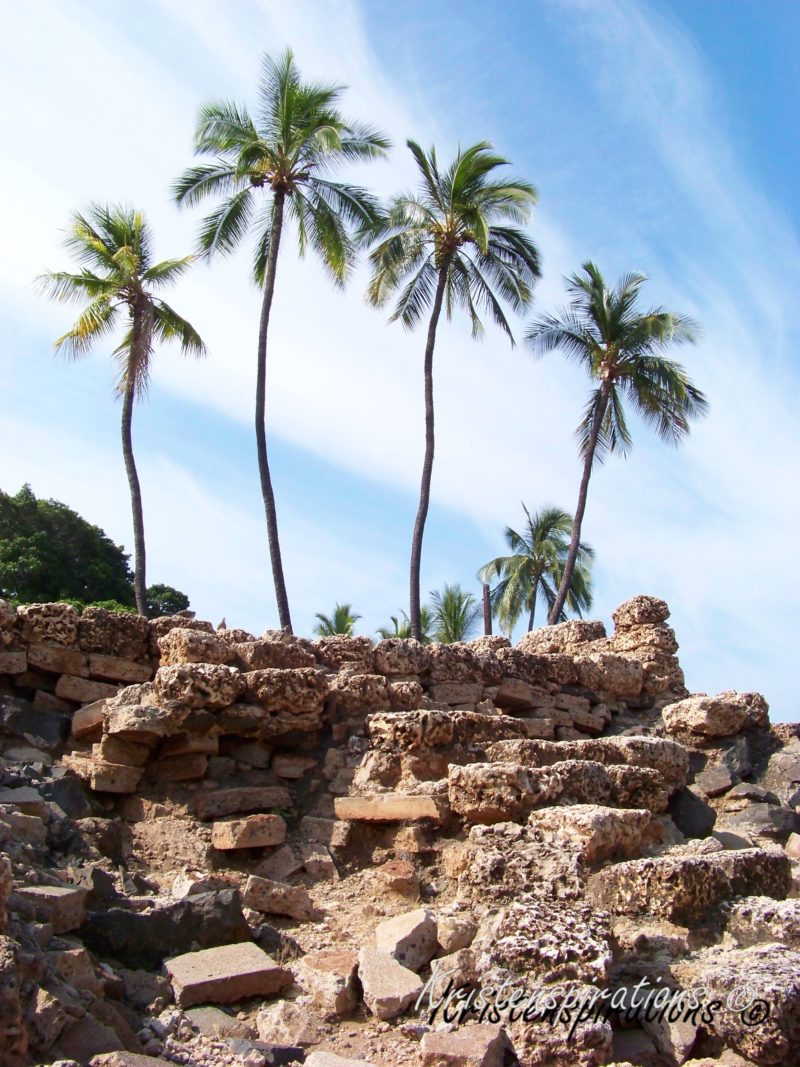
(226, 849)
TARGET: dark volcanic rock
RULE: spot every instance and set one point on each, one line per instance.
(146, 939)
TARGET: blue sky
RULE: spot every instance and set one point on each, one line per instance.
(661, 138)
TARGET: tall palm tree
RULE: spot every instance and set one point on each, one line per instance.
(454, 613)
(267, 171)
(622, 350)
(533, 571)
(449, 245)
(341, 621)
(401, 627)
(117, 284)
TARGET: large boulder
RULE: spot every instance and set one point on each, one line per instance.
(200, 685)
(640, 610)
(182, 645)
(701, 717)
(52, 624)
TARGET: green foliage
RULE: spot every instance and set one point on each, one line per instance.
(165, 600)
(534, 569)
(341, 621)
(401, 627)
(455, 613)
(49, 553)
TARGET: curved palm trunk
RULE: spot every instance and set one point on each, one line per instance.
(261, 428)
(139, 581)
(577, 522)
(427, 465)
(534, 594)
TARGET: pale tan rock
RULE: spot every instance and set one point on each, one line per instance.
(21, 827)
(357, 692)
(224, 975)
(83, 690)
(8, 619)
(181, 646)
(58, 660)
(318, 861)
(253, 831)
(280, 865)
(329, 977)
(88, 720)
(240, 799)
(562, 637)
(200, 685)
(638, 610)
(186, 768)
(331, 832)
(341, 651)
(410, 938)
(290, 1023)
(727, 713)
(117, 669)
(475, 1045)
(55, 624)
(390, 807)
(46, 1019)
(114, 749)
(600, 833)
(13, 662)
(64, 907)
(400, 876)
(114, 777)
(455, 932)
(755, 920)
(397, 655)
(792, 846)
(116, 634)
(266, 654)
(293, 767)
(389, 988)
(456, 692)
(490, 792)
(321, 1058)
(297, 690)
(189, 744)
(6, 880)
(75, 967)
(145, 724)
(277, 898)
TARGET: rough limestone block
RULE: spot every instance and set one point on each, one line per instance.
(243, 799)
(83, 690)
(478, 1045)
(58, 660)
(277, 898)
(254, 831)
(390, 807)
(112, 749)
(224, 975)
(329, 977)
(117, 669)
(389, 988)
(411, 939)
(114, 777)
(88, 720)
(63, 906)
(13, 662)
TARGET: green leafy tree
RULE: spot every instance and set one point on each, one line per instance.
(450, 246)
(341, 621)
(117, 285)
(165, 600)
(622, 349)
(534, 569)
(269, 171)
(401, 627)
(455, 613)
(48, 552)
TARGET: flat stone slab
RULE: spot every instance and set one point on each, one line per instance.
(389, 988)
(61, 905)
(83, 690)
(253, 831)
(245, 798)
(224, 975)
(390, 807)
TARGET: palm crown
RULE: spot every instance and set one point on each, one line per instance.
(622, 348)
(457, 225)
(113, 245)
(535, 566)
(296, 140)
(341, 621)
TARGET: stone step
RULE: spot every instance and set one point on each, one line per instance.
(667, 757)
(225, 975)
(391, 807)
(495, 792)
(689, 888)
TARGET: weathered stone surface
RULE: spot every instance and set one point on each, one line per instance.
(298, 690)
(5, 889)
(224, 975)
(42, 729)
(330, 1059)
(113, 777)
(538, 941)
(55, 624)
(329, 977)
(600, 833)
(341, 651)
(276, 898)
(389, 988)
(280, 865)
(715, 780)
(240, 799)
(640, 610)
(88, 720)
(186, 768)
(200, 685)
(144, 724)
(291, 767)
(144, 938)
(455, 932)
(664, 755)
(490, 792)
(562, 637)
(390, 807)
(253, 831)
(83, 690)
(689, 888)
(290, 1024)
(115, 749)
(782, 774)
(398, 655)
(456, 692)
(410, 938)
(13, 662)
(358, 692)
(58, 660)
(114, 634)
(181, 646)
(117, 669)
(8, 619)
(515, 694)
(64, 907)
(755, 920)
(727, 713)
(476, 1045)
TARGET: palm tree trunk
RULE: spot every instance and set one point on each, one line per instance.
(577, 522)
(427, 465)
(139, 580)
(534, 594)
(261, 413)
(487, 610)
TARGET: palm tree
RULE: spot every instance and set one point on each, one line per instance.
(535, 567)
(449, 246)
(341, 621)
(622, 349)
(454, 613)
(117, 284)
(402, 627)
(281, 161)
